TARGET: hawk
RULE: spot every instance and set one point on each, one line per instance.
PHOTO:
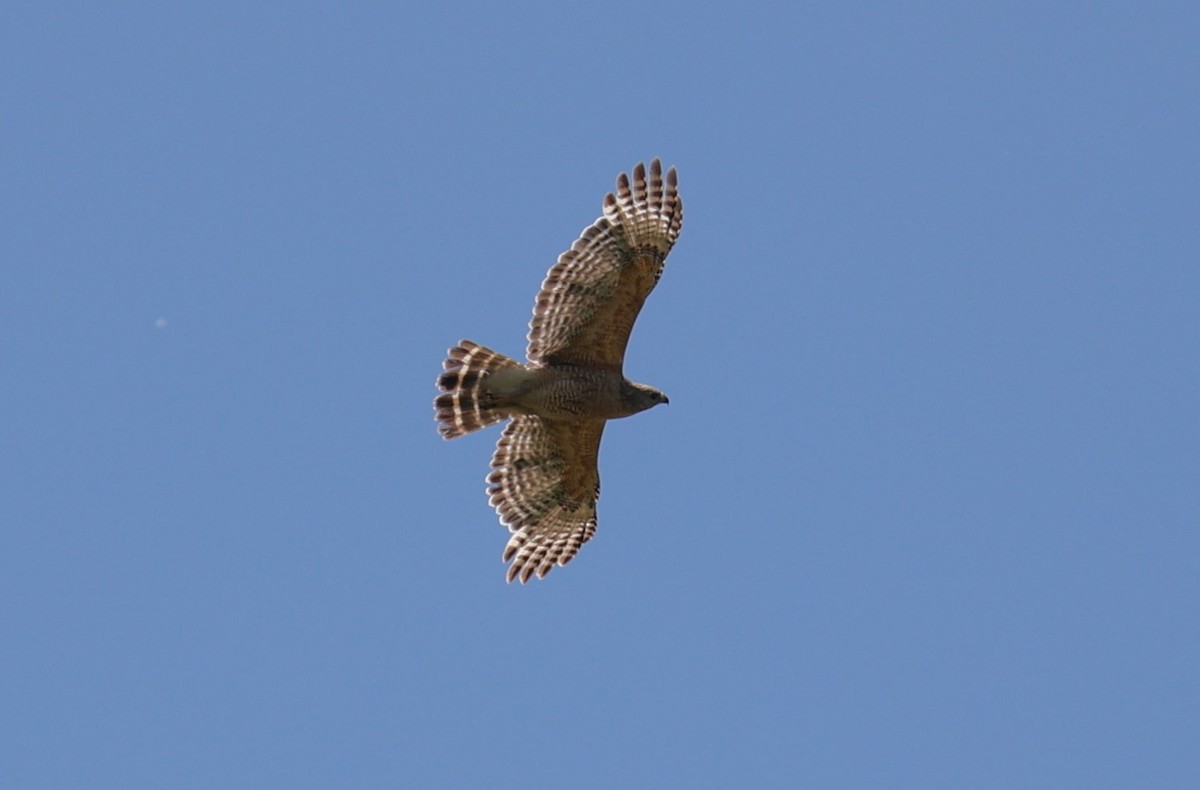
(544, 480)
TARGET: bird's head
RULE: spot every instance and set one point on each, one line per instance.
(639, 397)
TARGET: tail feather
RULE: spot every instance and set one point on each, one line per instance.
(466, 403)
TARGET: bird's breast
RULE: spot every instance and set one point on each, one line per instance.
(574, 393)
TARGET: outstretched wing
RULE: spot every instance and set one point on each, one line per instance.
(591, 297)
(544, 485)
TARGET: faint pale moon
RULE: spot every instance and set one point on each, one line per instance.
(160, 323)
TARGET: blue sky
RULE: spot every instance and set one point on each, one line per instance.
(922, 512)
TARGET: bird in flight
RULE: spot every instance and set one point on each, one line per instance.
(544, 480)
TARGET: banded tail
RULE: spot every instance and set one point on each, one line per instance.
(467, 403)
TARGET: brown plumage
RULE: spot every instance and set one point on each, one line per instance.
(545, 481)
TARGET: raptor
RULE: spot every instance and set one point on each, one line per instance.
(545, 480)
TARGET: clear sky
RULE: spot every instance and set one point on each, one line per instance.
(924, 510)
